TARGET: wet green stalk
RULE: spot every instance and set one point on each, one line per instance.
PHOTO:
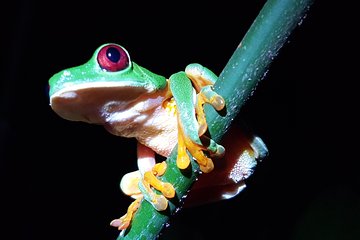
(245, 69)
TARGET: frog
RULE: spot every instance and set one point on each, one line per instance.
(160, 113)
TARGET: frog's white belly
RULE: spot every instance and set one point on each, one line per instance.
(148, 121)
(160, 133)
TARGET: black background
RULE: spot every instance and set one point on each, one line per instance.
(59, 179)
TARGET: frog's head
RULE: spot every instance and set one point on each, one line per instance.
(80, 93)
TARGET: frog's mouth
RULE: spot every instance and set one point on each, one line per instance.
(91, 102)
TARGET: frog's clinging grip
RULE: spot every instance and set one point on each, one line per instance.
(191, 116)
(165, 188)
(150, 180)
(158, 201)
(124, 221)
(131, 101)
(203, 80)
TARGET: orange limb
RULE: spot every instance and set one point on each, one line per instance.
(166, 189)
(124, 221)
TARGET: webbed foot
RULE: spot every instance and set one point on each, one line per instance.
(144, 190)
(124, 222)
(159, 201)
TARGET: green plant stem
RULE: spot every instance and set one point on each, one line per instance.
(245, 69)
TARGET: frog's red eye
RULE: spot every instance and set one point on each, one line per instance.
(113, 58)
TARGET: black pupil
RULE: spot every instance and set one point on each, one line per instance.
(113, 54)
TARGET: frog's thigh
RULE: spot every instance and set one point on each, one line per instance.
(244, 151)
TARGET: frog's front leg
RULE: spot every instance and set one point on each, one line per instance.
(203, 80)
(139, 184)
(191, 117)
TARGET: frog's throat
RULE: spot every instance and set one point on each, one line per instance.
(93, 103)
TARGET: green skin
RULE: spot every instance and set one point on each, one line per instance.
(129, 103)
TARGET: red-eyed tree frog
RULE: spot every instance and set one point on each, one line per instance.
(130, 101)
